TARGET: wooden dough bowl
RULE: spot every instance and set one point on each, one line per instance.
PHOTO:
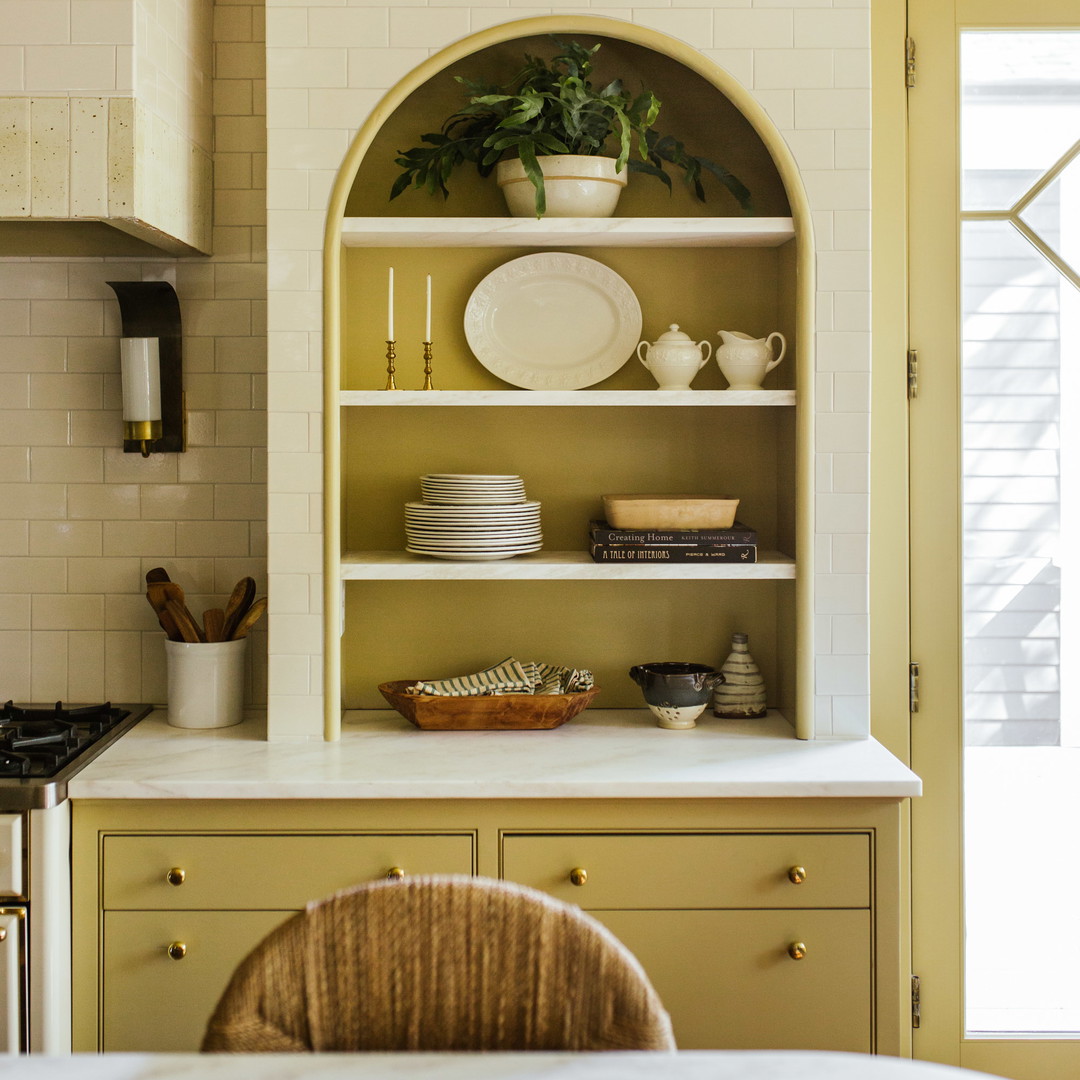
(501, 712)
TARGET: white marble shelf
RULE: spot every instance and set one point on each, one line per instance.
(566, 232)
(603, 753)
(553, 566)
(603, 398)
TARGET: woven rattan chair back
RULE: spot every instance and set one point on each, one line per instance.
(439, 963)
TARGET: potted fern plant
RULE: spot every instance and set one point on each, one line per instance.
(550, 134)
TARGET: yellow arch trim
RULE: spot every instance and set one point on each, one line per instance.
(692, 59)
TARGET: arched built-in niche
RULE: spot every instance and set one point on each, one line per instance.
(374, 453)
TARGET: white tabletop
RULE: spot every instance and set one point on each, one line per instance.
(605, 753)
(688, 1065)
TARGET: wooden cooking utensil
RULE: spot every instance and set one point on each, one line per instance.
(239, 602)
(175, 594)
(251, 617)
(158, 573)
(155, 594)
(189, 631)
(214, 624)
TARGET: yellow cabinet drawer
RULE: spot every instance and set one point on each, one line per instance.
(729, 982)
(260, 872)
(153, 1002)
(788, 870)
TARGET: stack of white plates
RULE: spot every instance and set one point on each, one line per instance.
(471, 489)
(475, 518)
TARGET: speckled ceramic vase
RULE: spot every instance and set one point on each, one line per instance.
(741, 696)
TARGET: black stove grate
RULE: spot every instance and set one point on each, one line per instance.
(39, 742)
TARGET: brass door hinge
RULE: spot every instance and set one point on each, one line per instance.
(913, 687)
(916, 1004)
(909, 62)
(912, 374)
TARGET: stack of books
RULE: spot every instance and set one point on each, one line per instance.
(735, 545)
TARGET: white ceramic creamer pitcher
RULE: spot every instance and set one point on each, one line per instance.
(745, 361)
(674, 359)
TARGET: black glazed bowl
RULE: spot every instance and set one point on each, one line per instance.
(676, 685)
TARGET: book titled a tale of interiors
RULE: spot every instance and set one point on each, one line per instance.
(735, 545)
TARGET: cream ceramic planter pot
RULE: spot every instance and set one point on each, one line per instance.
(577, 185)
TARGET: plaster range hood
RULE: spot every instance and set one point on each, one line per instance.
(106, 149)
(99, 176)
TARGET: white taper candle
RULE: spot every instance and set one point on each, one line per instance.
(427, 323)
(390, 308)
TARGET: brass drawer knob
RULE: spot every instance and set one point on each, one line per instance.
(579, 875)
(797, 875)
(797, 950)
(177, 950)
(176, 875)
(395, 873)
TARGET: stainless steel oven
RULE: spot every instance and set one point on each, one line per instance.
(41, 748)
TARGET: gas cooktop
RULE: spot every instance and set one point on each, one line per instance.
(43, 746)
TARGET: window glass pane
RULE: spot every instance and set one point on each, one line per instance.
(1020, 112)
(1048, 214)
(1021, 443)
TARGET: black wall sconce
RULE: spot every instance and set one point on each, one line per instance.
(151, 368)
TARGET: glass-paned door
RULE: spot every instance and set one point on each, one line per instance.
(996, 488)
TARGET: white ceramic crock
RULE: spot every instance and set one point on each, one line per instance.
(205, 683)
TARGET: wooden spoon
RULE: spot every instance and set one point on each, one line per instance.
(158, 573)
(175, 593)
(251, 617)
(189, 631)
(156, 596)
(214, 624)
(239, 602)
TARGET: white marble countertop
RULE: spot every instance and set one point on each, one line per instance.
(689, 1065)
(606, 753)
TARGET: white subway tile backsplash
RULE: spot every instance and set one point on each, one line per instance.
(844, 271)
(48, 664)
(694, 26)
(839, 512)
(14, 615)
(851, 555)
(426, 28)
(327, 26)
(62, 68)
(832, 29)
(777, 69)
(70, 612)
(68, 538)
(103, 502)
(851, 473)
(832, 108)
(101, 575)
(842, 433)
(752, 28)
(12, 76)
(375, 68)
(123, 663)
(28, 501)
(14, 538)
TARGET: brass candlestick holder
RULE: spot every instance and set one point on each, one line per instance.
(427, 367)
(391, 354)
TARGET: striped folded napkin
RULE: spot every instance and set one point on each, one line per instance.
(511, 676)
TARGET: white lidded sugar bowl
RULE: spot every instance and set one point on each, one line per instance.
(674, 359)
